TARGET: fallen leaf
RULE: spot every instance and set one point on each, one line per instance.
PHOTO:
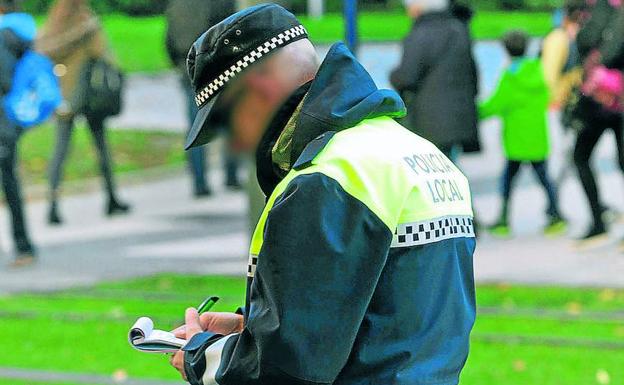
(165, 283)
(503, 286)
(519, 365)
(117, 312)
(603, 377)
(120, 375)
(607, 295)
(574, 308)
(509, 303)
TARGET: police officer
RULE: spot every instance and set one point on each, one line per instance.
(360, 268)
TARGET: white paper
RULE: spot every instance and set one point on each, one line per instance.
(143, 337)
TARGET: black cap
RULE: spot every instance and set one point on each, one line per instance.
(225, 50)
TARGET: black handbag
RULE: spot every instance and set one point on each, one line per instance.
(100, 89)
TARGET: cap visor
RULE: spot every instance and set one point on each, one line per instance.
(205, 125)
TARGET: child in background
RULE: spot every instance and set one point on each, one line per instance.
(521, 101)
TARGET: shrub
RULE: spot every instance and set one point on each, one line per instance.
(511, 4)
(141, 7)
(152, 7)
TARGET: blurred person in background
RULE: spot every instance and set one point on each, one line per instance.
(560, 56)
(521, 100)
(564, 74)
(186, 21)
(611, 56)
(17, 33)
(437, 77)
(73, 37)
(593, 117)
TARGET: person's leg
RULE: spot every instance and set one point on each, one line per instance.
(619, 138)
(541, 171)
(196, 157)
(585, 143)
(231, 163)
(64, 128)
(618, 129)
(12, 191)
(510, 173)
(96, 126)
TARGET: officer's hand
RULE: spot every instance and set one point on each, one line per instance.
(220, 323)
(192, 326)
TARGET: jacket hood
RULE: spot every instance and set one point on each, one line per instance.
(526, 75)
(462, 12)
(21, 24)
(342, 95)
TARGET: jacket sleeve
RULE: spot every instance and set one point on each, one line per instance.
(612, 49)
(7, 63)
(414, 65)
(322, 256)
(59, 46)
(555, 53)
(496, 103)
(591, 36)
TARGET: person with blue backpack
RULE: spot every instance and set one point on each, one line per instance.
(17, 32)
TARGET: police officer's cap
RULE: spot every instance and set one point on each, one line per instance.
(227, 49)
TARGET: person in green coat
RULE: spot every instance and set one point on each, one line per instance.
(521, 101)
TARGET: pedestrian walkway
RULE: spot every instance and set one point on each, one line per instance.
(168, 231)
(46, 376)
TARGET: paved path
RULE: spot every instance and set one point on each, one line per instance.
(167, 231)
(46, 376)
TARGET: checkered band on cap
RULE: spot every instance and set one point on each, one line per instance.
(278, 41)
(432, 231)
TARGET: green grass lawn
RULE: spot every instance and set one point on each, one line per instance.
(7, 381)
(132, 150)
(138, 43)
(523, 335)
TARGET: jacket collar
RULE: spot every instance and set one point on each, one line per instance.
(342, 95)
(440, 15)
(267, 172)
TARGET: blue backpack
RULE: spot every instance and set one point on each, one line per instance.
(35, 93)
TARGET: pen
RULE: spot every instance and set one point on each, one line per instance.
(207, 304)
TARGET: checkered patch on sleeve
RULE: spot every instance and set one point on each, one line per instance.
(251, 267)
(275, 42)
(434, 230)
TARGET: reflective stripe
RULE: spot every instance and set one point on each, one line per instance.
(399, 176)
(213, 360)
(432, 231)
(251, 267)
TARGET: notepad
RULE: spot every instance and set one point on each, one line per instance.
(145, 338)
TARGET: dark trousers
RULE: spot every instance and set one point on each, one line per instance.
(11, 187)
(586, 141)
(64, 129)
(196, 157)
(541, 171)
